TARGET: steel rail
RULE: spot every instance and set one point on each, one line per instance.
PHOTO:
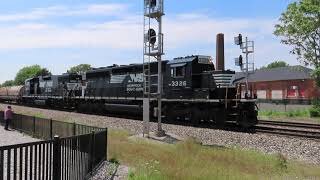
(303, 133)
(290, 124)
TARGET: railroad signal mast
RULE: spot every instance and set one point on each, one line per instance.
(152, 52)
(247, 67)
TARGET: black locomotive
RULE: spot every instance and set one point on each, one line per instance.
(192, 91)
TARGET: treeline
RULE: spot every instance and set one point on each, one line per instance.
(36, 70)
(275, 64)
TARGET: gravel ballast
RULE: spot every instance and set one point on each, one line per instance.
(293, 148)
(111, 171)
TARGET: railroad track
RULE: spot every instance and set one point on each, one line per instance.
(292, 129)
(290, 124)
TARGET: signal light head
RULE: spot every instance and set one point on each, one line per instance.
(151, 36)
(151, 3)
(238, 40)
(240, 60)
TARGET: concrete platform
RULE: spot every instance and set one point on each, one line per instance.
(168, 139)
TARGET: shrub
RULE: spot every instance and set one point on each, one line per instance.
(316, 103)
(282, 162)
(314, 112)
(114, 160)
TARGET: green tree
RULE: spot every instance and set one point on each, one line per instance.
(299, 27)
(316, 76)
(30, 72)
(80, 69)
(8, 83)
(275, 64)
(44, 72)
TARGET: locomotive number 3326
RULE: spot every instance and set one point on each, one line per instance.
(178, 83)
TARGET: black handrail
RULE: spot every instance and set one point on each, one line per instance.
(74, 154)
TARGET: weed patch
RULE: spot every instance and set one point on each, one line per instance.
(190, 160)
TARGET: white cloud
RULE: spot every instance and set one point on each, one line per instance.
(106, 8)
(117, 35)
(182, 33)
(61, 11)
(126, 33)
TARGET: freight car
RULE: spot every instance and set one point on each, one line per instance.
(192, 91)
(10, 94)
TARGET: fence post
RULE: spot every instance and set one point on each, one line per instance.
(74, 129)
(51, 129)
(92, 158)
(56, 158)
(106, 144)
(34, 125)
(20, 119)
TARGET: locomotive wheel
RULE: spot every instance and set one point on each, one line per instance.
(247, 119)
(196, 117)
(220, 118)
(169, 115)
(98, 108)
(82, 108)
(188, 117)
(88, 108)
(244, 120)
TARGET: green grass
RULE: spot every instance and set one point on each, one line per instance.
(189, 160)
(292, 113)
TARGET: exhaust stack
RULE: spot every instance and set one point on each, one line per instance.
(220, 52)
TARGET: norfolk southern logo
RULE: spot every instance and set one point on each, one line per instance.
(135, 78)
(135, 83)
(127, 78)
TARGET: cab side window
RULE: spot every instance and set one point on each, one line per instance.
(178, 72)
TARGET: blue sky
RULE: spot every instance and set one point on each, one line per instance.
(61, 33)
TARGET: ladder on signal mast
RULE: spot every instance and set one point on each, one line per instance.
(152, 52)
(153, 45)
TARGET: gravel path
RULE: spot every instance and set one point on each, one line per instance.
(292, 148)
(14, 137)
(110, 171)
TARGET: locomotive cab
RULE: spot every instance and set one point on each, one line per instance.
(32, 86)
(188, 77)
(47, 85)
(70, 85)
